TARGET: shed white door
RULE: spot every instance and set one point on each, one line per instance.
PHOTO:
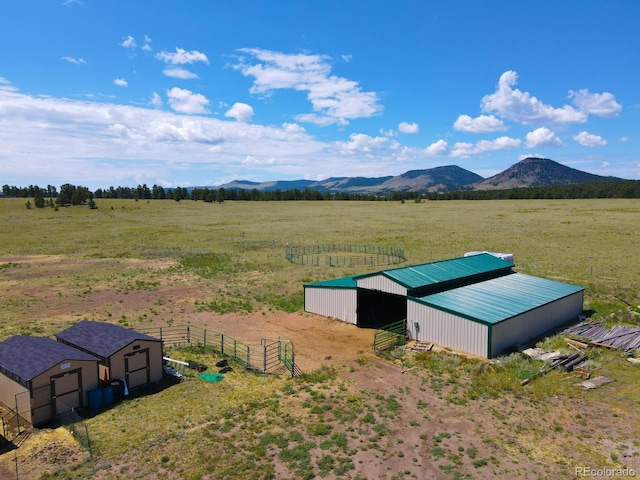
(136, 367)
(66, 391)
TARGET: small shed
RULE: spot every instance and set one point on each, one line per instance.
(488, 318)
(122, 353)
(43, 378)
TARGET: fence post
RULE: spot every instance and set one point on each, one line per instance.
(222, 343)
(205, 338)
(189, 334)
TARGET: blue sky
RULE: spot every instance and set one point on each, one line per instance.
(102, 93)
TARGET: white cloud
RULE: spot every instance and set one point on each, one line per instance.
(181, 56)
(436, 149)
(405, 127)
(121, 82)
(335, 100)
(362, 143)
(77, 61)
(624, 139)
(481, 124)
(156, 100)
(179, 72)
(129, 42)
(589, 140)
(185, 101)
(600, 104)
(5, 85)
(513, 104)
(542, 138)
(240, 111)
(147, 44)
(465, 150)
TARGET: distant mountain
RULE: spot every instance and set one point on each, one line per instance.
(537, 172)
(530, 172)
(445, 179)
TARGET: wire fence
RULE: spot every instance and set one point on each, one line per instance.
(368, 255)
(77, 425)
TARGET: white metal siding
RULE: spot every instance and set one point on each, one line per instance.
(340, 303)
(520, 329)
(446, 330)
(381, 283)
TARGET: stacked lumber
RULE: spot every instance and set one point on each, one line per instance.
(618, 337)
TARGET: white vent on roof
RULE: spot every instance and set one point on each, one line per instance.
(504, 256)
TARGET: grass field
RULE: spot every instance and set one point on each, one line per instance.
(160, 262)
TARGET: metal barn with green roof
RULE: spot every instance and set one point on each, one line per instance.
(494, 316)
(476, 304)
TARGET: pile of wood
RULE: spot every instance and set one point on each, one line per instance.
(618, 337)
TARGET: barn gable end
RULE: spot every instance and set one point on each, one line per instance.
(42, 377)
(123, 353)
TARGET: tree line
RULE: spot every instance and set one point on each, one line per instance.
(69, 194)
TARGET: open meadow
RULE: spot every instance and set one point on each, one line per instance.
(351, 414)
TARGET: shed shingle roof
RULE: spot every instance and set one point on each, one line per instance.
(27, 357)
(100, 338)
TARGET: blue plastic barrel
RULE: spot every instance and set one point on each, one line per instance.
(107, 396)
(95, 398)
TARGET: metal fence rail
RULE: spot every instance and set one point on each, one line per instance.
(371, 255)
(77, 426)
(271, 356)
(390, 336)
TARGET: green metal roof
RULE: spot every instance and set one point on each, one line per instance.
(344, 282)
(444, 270)
(499, 299)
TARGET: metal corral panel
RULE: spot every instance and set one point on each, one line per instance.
(334, 298)
(517, 330)
(382, 283)
(446, 329)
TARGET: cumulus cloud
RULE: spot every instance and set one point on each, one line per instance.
(179, 72)
(405, 127)
(465, 150)
(147, 44)
(513, 104)
(362, 143)
(181, 57)
(542, 138)
(240, 111)
(77, 61)
(335, 100)
(589, 140)
(185, 101)
(129, 42)
(121, 82)
(156, 100)
(436, 149)
(481, 124)
(600, 104)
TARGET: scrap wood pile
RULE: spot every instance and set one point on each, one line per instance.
(569, 363)
(618, 337)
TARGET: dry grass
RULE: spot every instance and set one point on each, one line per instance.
(153, 263)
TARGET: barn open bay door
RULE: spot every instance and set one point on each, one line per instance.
(136, 368)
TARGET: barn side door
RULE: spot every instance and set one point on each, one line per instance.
(66, 391)
(136, 368)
